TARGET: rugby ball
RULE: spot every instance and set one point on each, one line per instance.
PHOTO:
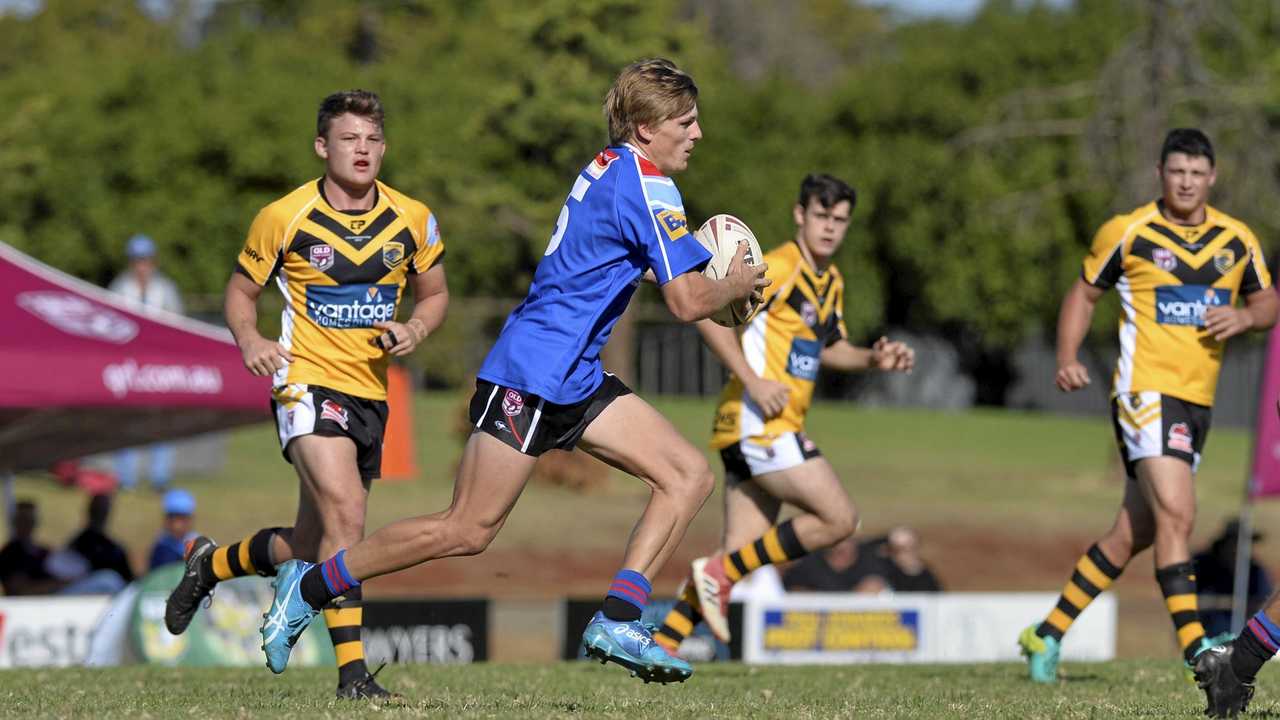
(720, 235)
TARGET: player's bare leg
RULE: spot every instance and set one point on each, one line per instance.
(490, 479)
(1169, 489)
(828, 516)
(634, 437)
(749, 512)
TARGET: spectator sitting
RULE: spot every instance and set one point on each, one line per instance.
(906, 569)
(146, 286)
(171, 545)
(1215, 581)
(843, 567)
(22, 560)
(93, 544)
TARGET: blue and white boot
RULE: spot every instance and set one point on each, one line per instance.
(289, 615)
(631, 645)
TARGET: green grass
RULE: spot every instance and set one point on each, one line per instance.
(1133, 689)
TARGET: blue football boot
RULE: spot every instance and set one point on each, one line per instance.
(289, 616)
(1041, 654)
(631, 645)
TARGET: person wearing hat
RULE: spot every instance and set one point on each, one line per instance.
(145, 286)
(179, 516)
(1216, 576)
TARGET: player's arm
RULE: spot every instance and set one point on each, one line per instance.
(1074, 318)
(885, 354)
(431, 302)
(1258, 313)
(771, 396)
(692, 296)
(240, 307)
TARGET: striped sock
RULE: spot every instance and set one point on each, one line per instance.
(329, 580)
(250, 555)
(780, 544)
(1093, 574)
(680, 621)
(344, 618)
(1257, 644)
(1178, 584)
(628, 594)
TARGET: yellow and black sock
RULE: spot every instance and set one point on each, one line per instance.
(1178, 584)
(780, 544)
(246, 557)
(344, 617)
(1093, 574)
(680, 621)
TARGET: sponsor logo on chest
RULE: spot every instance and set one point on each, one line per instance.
(1186, 304)
(802, 359)
(351, 306)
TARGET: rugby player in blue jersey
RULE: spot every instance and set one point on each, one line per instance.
(542, 385)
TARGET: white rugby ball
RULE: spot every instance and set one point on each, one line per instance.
(720, 235)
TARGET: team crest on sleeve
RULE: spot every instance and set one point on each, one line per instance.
(330, 410)
(321, 257)
(392, 254)
(673, 223)
(512, 403)
(1224, 260)
(600, 165)
(433, 230)
(1164, 259)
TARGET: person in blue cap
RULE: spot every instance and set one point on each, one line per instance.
(144, 285)
(179, 516)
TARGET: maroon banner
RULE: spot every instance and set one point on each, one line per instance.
(1264, 479)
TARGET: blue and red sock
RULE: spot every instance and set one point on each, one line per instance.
(327, 581)
(627, 596)
(1258, 643)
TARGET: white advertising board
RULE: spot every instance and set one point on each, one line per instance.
(913, 627)
(48, 631)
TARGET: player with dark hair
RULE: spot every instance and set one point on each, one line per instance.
(543, 387)
(759, 424)
(341, 249)
(1179, 266)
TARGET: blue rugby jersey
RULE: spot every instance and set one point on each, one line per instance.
(622, 217)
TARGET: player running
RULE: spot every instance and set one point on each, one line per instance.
(759, 424)
(1179, 266)
(341, 249)
(542, 385)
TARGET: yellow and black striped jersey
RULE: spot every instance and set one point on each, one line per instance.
(803, 312)
(1167, 275)
(340, 272)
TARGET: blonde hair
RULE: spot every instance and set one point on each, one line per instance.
(647, 92)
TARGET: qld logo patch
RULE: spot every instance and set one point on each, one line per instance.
(321, 257)
(675, 224)
(1164, 259)
(1180, 438)
(1186, 304)
(512, 403)
(330, 410)
(808, 313)
(392, 254)
(602, 162)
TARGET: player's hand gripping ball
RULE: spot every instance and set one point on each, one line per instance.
(720, 235)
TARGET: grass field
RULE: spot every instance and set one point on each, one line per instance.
(1127, 689)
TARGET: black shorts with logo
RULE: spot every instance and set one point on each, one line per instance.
(532, 425)
(1149, 424)
(314, 410)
